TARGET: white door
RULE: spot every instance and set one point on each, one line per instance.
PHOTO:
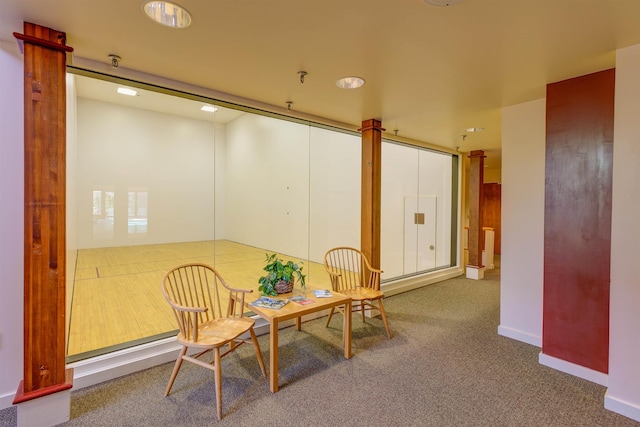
(419, 233)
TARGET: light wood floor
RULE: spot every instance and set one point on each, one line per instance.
(117, 297)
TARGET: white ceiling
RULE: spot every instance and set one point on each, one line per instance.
(430, 71)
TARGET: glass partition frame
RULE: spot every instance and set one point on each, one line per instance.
(298, 198)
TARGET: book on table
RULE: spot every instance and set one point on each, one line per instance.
(268, 302)
(322, 293)
(301, 299)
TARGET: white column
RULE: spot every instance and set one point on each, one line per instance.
(623, 394)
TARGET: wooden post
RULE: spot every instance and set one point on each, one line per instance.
(476, 236)
(371, 184)
(44, 212)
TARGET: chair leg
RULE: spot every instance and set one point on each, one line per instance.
(329, 317)
(254, 339)
(176, 368)
(384, 318)
(217, 376)
(362, 309)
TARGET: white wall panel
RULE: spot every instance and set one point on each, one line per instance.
(523, 178)
(11, 221)
(623, 394)
(267, 184)
(400, 169)
(172, 158)
(335, 181)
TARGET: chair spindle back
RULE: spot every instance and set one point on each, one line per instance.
(192, 291)
(348, 268)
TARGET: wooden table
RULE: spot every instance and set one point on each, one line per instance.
(293, 310)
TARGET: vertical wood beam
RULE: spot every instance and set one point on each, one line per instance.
(44, 212)
(370, 195)
(476, 199)
(491, 211)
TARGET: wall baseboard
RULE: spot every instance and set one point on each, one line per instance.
(116, 364)
(415, 282)
(6, 400)
(518, 335)
(573, 369)
(621, 407)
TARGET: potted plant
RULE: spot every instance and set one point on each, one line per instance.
(280, 276)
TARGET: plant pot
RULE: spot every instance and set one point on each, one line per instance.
(283, 287)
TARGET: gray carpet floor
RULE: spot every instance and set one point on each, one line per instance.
(444, 366)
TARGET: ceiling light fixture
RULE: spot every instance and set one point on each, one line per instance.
(472, 130)
(167, 13)
(115, 60)
(351, 82)
(127, 91)
(209, 108)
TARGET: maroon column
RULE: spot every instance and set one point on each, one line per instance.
(577, 229)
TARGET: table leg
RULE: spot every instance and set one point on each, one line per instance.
(346, 330)
(298, 323)
(273, 355)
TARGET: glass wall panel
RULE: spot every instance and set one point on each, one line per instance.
(157, 182)
(417, 213)
(144, 191)
(335, 187)
(265, 206)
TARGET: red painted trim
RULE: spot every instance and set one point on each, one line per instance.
(43, 43)
(371, 124)
(21, 396)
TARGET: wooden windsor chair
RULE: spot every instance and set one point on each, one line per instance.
(352, 275)
(194, 292)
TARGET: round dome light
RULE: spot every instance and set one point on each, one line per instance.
(351, 82)
(167, 13)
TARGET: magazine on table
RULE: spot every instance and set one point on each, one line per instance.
(322, 293)
(301, 299)
(268, 302)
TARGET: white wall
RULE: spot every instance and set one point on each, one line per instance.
(267, 177)
(71, 204)
(170, 157)
(409, 172)
(11, 221)
(623, 394)
(521, 263)
(435, 180)
(335, 188)
(219, 206)
(400, 177)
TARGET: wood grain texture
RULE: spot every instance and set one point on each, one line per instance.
(371, 190)
(577, 239)
(117, 297)
(492, 193)
(44, 213)
(476, 199)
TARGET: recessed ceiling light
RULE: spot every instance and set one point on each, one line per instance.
(472, 130)
(167, 13)
(127, 91)
(441, 3)
(209, 108)
(351, 82)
